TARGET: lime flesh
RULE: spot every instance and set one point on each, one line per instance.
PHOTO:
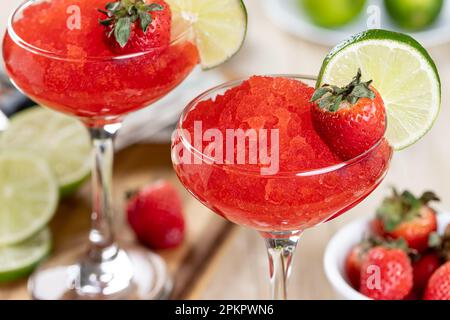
(18, 261)
(61, 140)
(28, 195)
(220, 27)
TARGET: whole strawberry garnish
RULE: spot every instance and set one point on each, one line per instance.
(350, 119)
(438, 287)
(155, 214)
(408, 217)
(386, 274)
(423, 270)
(133, 26)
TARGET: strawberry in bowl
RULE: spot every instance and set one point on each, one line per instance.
(364, 261)
(408, 217)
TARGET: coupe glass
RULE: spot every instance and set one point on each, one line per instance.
(99, 91)
(280, 206)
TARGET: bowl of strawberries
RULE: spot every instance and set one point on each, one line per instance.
(402, 253)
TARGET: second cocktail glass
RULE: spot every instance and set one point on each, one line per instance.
(100, 91)
(298, 199)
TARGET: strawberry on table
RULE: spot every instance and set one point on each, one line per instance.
(438, 287)
(408, 217)
(133, 26)
(156, 215)
(350, 119)
(386, 274)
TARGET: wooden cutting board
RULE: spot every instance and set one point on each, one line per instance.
(190, 264)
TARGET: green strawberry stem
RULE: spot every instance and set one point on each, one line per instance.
(330, 97)
(121, 14)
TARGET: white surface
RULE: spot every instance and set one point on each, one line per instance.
(288, 15)
(340, 245)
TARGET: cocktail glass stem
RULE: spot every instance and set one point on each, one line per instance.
(101, 235)
(280, 249)
(105, 270)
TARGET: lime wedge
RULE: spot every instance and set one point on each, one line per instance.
(402, 71)
(28, 195)
(219, 26)
(61, 140)
(19, 260)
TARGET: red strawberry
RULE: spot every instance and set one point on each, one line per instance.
(137, 26)
(441, 243)
(350, 119)
(423, 269)
(156, 216)
(353, 264)
(405, 216)
(386, 274)
(438, 287)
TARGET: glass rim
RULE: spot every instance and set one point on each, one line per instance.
(301, 173)
(57, 56)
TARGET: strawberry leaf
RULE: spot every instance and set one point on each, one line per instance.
(331, 97)
(145, 19)
(120, 15)
(319, 93)
(122, 31)
(429, 196)
(154, 7)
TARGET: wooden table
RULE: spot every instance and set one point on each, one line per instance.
(239, 269)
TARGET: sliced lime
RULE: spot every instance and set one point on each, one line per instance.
(61, 140)
(402, 71)
(219, 26)
(19, 260)
(28, 195)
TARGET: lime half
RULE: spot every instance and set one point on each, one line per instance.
(28, 195)
(18, 261)
(61, 140)
(402, 71)
(219, 26)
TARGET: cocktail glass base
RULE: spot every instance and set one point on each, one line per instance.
(134, 274)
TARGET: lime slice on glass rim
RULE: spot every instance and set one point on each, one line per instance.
(403, 73)
(61, 140)
(19, 260)
(219, 26)
(28, 195)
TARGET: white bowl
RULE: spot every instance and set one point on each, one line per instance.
(340, 245)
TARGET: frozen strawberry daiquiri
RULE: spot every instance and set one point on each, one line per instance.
(75, 65)
(279, 156)
(311, 183)
(303, 177)
(98, 61)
